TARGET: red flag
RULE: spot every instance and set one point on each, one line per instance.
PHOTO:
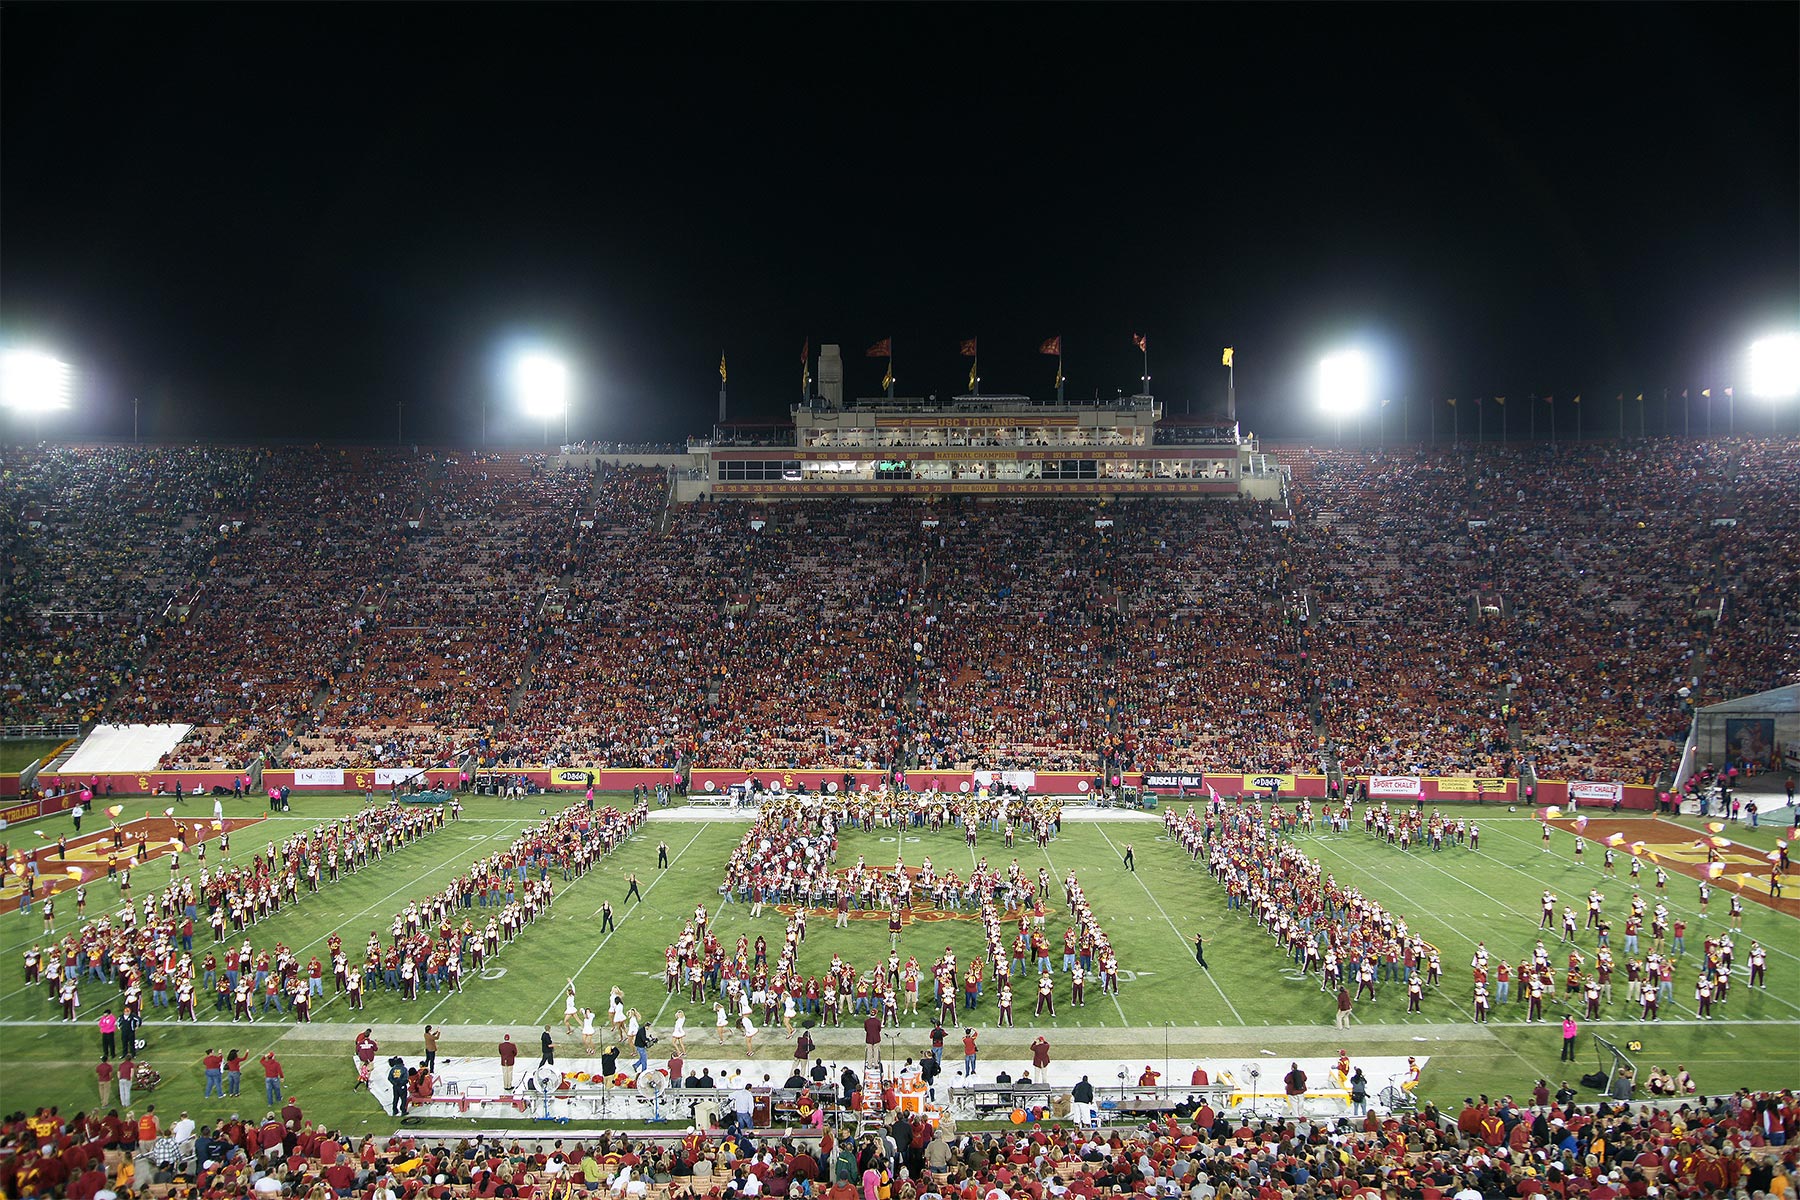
(968, 348)
(805, 351)
(1550, 399)
(882, 349)
(1140, 341)
(1053, 346)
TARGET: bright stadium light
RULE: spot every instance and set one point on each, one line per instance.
(541, 384)
(1346, 381)
(33, 382)
(1775, 366)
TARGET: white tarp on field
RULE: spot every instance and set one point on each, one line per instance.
(127, 749)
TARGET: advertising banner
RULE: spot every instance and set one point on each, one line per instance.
(1174, 779)
(1583, 789)
(1262, 783)
(1469, 787)
(1395, 785)
(319, 777)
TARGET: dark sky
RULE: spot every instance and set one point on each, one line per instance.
(276, 220)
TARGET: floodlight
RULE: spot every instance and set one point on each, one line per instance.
(1775, 366)
(1345, 382)
(32, 381)
(541, 383)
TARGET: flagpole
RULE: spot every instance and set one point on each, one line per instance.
(1231, 390)
(1531, 407)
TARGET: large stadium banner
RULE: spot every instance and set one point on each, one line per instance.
(1750, 739)
(1605, 793)
(1262, 783)
(1395, 785)
(319, 777)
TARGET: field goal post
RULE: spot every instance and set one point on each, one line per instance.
(1612, 1062)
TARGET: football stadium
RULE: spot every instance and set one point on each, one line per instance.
(940, 767)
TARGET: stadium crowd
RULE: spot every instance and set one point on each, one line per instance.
(1435, 610)
(1547, 1145)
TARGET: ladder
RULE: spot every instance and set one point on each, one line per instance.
(868, 1119)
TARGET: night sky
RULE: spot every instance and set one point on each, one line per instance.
(277, 220)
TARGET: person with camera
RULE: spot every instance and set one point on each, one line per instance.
(641, 1040)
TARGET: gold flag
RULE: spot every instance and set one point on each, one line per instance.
(971, 377)
(721, 368)
(1226, 360)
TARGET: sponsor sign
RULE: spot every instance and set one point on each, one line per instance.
(1395, 785)
(1469, 785)
(388, 776)
(569, 777)
(1587, 790)
(1262, 783)
(1023, 780)
(318, 777)
(1174, 779)
(19, 812)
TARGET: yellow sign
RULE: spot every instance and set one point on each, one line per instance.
(1468, 785)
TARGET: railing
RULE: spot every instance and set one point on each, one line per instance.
(40, 731)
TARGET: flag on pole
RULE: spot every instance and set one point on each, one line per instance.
(806, 352)
(1684, 393)
(1451, 401)
(721, 367)
(1706, 393)
(1640, 397)
(1728, 391)
(1225, 360)
(882, 349)
(968, 348)
(1059, 374)
(971, 377)
(1500, 400)
(1052, 346)
(1141, 342)
(1386, 400)
(1577, 399)
(887, 380)
(1550, 399)
(1478, 402)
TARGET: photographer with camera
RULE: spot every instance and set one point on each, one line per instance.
(641, 1039)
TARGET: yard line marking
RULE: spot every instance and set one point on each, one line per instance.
(704, 825)
(1174, 928)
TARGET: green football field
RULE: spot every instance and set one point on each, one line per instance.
(18, 753)
(1250, 1006)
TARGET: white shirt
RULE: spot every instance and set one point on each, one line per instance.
(183, 1129)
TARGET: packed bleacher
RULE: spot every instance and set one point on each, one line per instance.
(1540, 1145)
(1436, 610)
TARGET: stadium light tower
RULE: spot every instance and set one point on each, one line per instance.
(541, 384)
(34, 383)
(1775, 366)
(1346, 381)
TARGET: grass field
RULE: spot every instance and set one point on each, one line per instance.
(1249, 1002)
(18, 753)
